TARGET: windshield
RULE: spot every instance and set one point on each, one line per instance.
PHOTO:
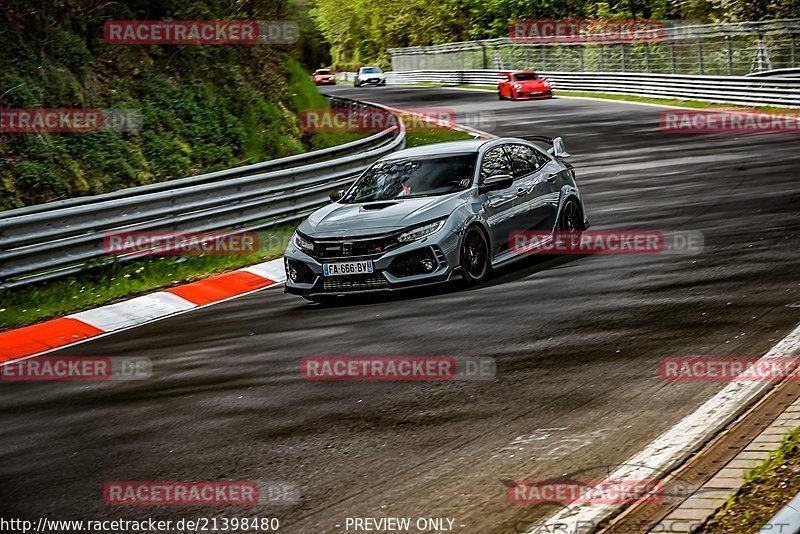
(525, 77)
(323, 71)
(417, 177)
(370, 70)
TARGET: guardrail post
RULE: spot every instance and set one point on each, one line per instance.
(672, 55)
(700, 55)
(624, 57)
(485, 57)
(580, 57)
(647, 57)
(602, 57)
(561, 58)
(730, 54)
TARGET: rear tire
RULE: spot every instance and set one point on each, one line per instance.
(475, 263)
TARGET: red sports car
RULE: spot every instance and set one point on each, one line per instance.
(523, 84)
(324, 77)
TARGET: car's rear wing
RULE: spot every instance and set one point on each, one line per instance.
(557, 145)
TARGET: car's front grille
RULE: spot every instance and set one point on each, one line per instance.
(355, 248)
(355, 283)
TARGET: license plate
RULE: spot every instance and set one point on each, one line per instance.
(347, 268)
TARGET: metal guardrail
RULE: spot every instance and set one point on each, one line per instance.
(51, 240)
(749, 91)
(783, 73)
(677, 48)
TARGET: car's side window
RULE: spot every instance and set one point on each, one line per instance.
(525, 160)
(541, 159)
(494, 162)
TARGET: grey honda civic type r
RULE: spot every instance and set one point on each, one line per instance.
(432, 214)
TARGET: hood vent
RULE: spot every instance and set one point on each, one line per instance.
(377, 205)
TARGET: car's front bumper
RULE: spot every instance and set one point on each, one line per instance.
(308, 279)
(534, 95)
(372, 81)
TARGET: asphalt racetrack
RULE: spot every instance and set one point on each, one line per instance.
(577, 343)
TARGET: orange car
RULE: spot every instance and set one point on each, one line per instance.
(523, 84)
(324, 77)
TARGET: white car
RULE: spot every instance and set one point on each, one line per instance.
(369, 76)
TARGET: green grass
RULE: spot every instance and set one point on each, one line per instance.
(114, 282)
(306, 96)
(111, 283)
(790, 444)
(699, 104)
(425, 138)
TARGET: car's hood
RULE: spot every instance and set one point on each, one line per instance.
(349, 220)
(373, 75)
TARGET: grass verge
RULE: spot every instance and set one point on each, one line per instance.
(117, 281)
(111, 283)
(767, 489)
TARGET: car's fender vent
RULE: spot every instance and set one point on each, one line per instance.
(440, 257)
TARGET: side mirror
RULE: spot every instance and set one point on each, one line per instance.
(559, 150)
(336, 196)
(498, 181)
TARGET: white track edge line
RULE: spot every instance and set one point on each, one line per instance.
(155, 319)
(673, 446)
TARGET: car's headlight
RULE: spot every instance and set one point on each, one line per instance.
(302, 243)
(421, 231)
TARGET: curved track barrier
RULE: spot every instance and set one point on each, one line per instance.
(743, 90)
(51, 240)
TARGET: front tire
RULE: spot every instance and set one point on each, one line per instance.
(475, 263)
(571, 219)
(356, 84)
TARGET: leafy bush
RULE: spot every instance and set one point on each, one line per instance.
(204, 108)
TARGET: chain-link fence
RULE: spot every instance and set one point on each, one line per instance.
(714, 49)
